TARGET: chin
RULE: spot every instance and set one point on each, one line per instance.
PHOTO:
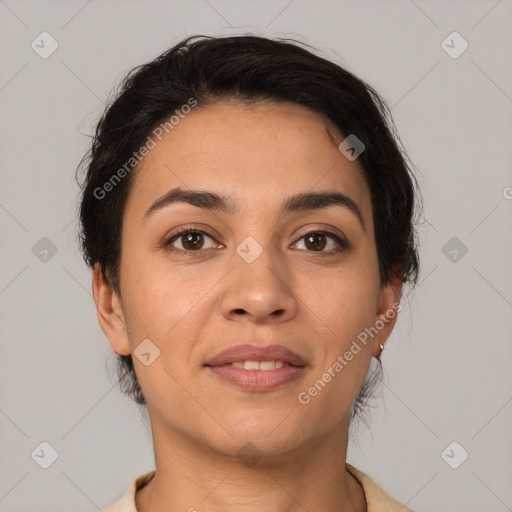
(270, 436)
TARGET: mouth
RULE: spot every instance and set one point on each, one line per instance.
(254, 368)
(259, 365)
(279, 355)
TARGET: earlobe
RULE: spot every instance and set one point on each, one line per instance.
(110, 313)
(387, 312)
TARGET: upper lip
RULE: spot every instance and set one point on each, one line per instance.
(254, 353)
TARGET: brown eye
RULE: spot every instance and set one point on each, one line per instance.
(317, 241)
(191, 240)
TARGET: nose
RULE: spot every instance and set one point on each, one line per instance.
(259, 292)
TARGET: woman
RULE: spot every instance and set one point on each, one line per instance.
(248, 215)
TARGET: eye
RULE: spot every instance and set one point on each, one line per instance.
(317, 241)
(189, 240)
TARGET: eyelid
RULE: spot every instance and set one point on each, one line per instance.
(324, 229)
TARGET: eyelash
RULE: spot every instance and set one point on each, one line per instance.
(342, 243)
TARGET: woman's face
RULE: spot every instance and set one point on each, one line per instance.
(253, 273)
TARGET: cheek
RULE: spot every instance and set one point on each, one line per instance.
(346, 305)
(345, 354)
(169, 306)
(156, 295)
(160, 307)
(348, 299)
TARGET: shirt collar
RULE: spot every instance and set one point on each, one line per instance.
(376, 499)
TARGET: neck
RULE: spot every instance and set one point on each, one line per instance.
(194, 478)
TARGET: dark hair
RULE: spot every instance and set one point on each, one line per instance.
(248, 69)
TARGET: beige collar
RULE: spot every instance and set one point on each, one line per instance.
(376, 499)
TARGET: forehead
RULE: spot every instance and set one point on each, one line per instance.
(260, 153)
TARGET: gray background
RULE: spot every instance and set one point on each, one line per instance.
(447, 366)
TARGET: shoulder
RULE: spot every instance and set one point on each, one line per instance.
(127, 502)
(377, 499)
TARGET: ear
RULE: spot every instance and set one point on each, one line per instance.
(110, 313)
(387, 313)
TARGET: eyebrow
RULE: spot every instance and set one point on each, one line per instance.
(297, 203)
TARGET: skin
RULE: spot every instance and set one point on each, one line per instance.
(314, 302)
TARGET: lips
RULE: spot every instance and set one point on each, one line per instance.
(241, 353)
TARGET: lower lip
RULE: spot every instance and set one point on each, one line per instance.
(257, 380)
